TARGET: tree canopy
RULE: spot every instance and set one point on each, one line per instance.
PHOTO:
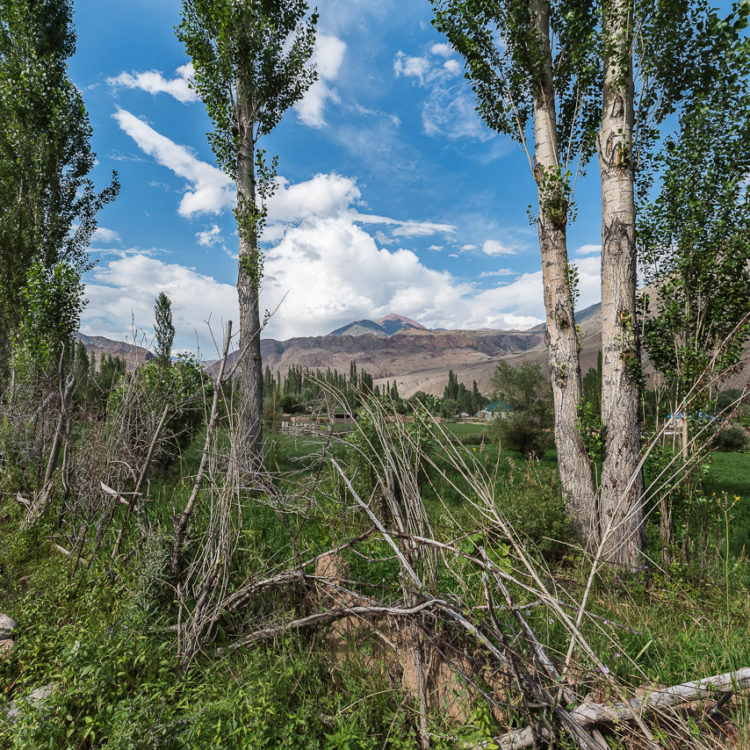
(48, 203)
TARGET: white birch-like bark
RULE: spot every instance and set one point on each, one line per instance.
(621, 512)
(562, 340)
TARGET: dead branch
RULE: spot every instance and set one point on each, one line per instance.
(182, 522)
(141, 478)
(36, 511)
(324, 618)
(589, 714)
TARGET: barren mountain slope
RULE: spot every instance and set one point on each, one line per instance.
(98, 345)
(409, 350)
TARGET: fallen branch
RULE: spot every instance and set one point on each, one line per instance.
(588, 713)
(322, 618)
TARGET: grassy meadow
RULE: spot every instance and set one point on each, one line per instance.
(102, 630)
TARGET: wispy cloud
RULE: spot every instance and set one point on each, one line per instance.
(449, 110)
(209, 237)
(328, 57)
(493, 247)
(411, 67)
(154, 82)
(209, 190)
(105, 236)
(588, 250)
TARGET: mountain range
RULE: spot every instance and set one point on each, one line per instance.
(398, 348)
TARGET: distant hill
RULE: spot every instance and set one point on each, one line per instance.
(591, 313)
(409, 350)
(432, 379)
(386, 326)
(98, 345)
(360, 328)
(394, 323)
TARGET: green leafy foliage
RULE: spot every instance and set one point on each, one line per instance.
(163, 328)
(52, 301)
(251, 62)
(694, 236)
(529, 394)
(48, 204)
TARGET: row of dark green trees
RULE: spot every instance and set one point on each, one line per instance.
(303, 390)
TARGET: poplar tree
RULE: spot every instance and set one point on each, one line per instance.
(558, 76)
(48, 204)
(544, 97)
(252, 62)
(163, 329)
(694, 234)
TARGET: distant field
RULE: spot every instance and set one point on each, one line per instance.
(465, 429)
(730, 473)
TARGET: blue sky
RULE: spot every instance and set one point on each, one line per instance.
(394, 196)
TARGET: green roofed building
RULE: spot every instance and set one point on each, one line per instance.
(496, 408)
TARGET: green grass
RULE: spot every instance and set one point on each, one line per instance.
(729, 478)
(467, 429)
(730, 473)
(104, 639)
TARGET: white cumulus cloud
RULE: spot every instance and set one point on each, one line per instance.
(122, 292)
(324, 268)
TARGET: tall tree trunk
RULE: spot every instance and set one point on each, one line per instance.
(248, 288)
(621, 520)
(562, 339)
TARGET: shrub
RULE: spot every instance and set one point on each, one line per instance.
(732, 439)
(531, 502)
(183, 385)
(524, 431)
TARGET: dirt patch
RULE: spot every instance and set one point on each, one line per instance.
(394, 648)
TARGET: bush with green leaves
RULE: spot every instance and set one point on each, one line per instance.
(526, 389)
(142, 399)
(732, 439)
(522, 431)
(530, 501)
